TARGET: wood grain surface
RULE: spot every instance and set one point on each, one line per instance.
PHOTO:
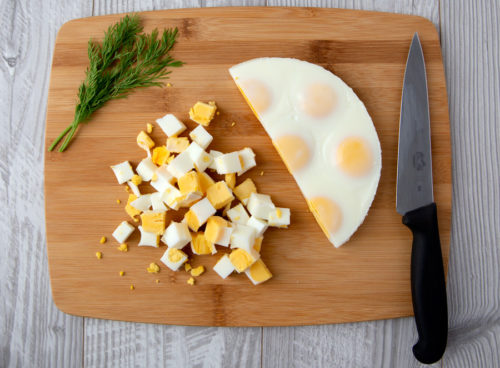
(313, 283)
(34, 333)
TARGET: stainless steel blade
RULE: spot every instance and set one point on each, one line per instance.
(414, 183)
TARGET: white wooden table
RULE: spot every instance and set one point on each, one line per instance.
(34, 333)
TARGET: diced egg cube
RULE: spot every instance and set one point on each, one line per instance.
(203, 113)
(201, 159)
(214, 155)
(238, 214)
(123, 231)
(177, 144)
(247, 158)
(228, 163)
(259, 225)
(163, 178)
(148, 238)
(153, 221)
(225, 238)
(214, 230)
(170, 125)
(224, 267)
(180, 165)
(174, 258)
(244, 190)
(279, 217)
(243, 237)
(219, 195)
(146, 169)
(142, 203)
(199, 213)
(170, 196)
(144, 141)
(200, 245)
(176, 235)
(241, 259)
(189, 182)
(186, 200)
(160, 155)
(157, 202)
(260, 205)
(134, 188)
(205, 181)
(123, 172)
(201, 136)
(258, 272)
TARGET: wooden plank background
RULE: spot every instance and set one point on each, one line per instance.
(33, 333)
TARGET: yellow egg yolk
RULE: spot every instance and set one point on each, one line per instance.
(160, 155)
(318, 100)
(205, 181)
(294, 151)
(259, 272)
(175, 255)
(354, 157)
(215, 228)
(256, 94)
(200, 244)
(219, 195)
(240, 259)
(245, 189)
(327, 214)
(153, 222)
(197, 271)
(189, 182)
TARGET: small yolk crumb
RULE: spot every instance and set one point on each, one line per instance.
(197, 271)
(123, 247)
(127, 189)
(122, 273)
(98, 255)
(261, 173)
(187, 267)
(132, 287)
(169, 85)
(153, 268)
(103, 240)
(157, 281)
(190, 281)
(149, 128)
(118, 201)
(233, 123)
(136, 179)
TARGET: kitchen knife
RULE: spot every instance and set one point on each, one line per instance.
(415, 201)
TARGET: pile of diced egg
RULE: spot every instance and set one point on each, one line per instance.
(178, 173)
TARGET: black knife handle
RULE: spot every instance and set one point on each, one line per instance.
(428, 287)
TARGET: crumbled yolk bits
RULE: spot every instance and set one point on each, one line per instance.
(160, 155)
(153, 222)
(132, 287)
(118, 201)
(149, 128)
(203, 113)
(153, 268)
(144, 141)
(190, 281)
(123, 247)
(98, 255)
(136, 179)
(103, 240)
(187, 267)
(121, 273)
(197, 271)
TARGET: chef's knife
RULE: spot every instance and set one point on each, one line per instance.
(415, 201)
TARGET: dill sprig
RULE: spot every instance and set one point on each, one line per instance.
(126, 59)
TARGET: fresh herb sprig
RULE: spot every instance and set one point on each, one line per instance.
(126, 59)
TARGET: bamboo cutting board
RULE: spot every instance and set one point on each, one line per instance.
(368, 278)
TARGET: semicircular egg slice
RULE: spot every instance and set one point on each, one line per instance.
(322, 132)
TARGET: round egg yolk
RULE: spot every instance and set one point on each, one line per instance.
(327, 214)
(354, 156)
(318, 100)
(257, 95)
(294, 151)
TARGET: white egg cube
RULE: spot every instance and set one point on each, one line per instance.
(123, 172)
(247, 157)
(214, 155)
(134, 188)
(143, 203)
(170, 196)
(157, 202)
(260, 205)
(225, 237)
(201, 159)
(279, 217)
(224, 267)
(243, 236)
(176, 235)
(238, 214)
(259, 225)
(163, 177)
(146, 169)
(201, 136)
(180, 165)
(228, 163)
(174, 258)
(148, 239)
(170, 125)
(203, 210)
(123, 231)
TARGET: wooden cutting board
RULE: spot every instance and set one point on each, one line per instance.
(368, 278)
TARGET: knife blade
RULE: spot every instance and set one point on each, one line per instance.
(415, 201)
